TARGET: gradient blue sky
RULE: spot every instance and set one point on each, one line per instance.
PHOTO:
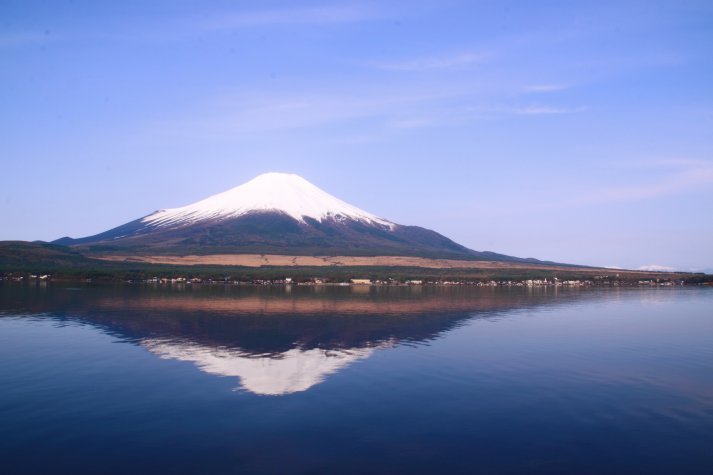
(573, 131)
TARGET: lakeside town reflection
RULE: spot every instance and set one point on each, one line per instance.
(276, 340)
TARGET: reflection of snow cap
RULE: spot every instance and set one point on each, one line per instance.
(292, 371)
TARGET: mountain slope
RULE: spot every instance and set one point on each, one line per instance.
(274, 213)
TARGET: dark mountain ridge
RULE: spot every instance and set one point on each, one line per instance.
(278, 233)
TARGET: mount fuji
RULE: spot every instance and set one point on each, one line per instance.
(275, 213)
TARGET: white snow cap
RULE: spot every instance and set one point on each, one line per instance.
(282, 192)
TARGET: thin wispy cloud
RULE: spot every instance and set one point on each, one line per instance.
(694, 176)
(232, 117)
(542, 88)
(666, 162)
(691, 179)
(182, 29)
(548, 110)
(385, 107)
(434, 63)
(25, 38)
(412, 123)
(325, 14)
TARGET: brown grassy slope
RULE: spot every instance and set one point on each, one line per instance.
(273, 260)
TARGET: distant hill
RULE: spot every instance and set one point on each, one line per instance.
(20, 255)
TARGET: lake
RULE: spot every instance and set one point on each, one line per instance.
(229, 379)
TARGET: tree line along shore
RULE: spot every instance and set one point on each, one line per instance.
(355, 277)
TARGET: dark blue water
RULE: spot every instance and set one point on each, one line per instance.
(131, 379)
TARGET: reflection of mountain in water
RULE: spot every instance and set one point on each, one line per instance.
(276, 340)
(291, 371)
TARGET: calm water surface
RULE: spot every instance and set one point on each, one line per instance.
(140, 379)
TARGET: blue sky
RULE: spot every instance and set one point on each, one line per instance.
(573, 131)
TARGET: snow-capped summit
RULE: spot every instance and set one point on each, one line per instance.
(270, 192)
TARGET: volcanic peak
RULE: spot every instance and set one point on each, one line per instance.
(270, 192)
